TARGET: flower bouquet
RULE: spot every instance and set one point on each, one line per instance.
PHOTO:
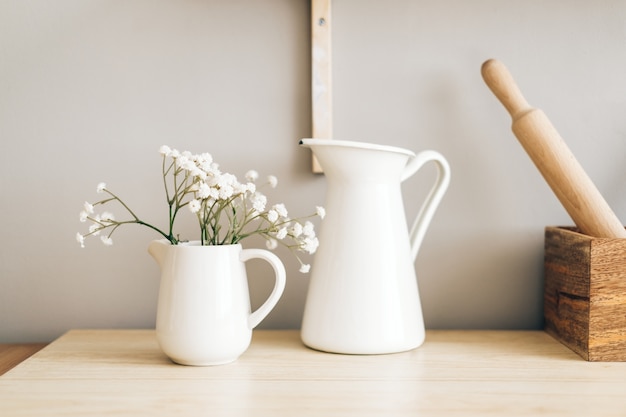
(227, 210)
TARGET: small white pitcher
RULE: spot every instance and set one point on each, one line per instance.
(203, 315)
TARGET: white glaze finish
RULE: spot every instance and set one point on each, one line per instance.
(363, 296)
(203, 315)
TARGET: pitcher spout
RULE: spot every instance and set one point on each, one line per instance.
(157, 249)
(359, 160)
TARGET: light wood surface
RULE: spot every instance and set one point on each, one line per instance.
(13, 354)
(540, 139)
(455, 373)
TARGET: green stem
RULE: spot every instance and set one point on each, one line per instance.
(169, 237)
(123, 204)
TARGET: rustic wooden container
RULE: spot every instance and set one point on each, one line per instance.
(585, 293)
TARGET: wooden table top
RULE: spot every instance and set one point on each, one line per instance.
(455, 373)
(12, 354)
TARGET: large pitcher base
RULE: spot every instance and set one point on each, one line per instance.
(360, 349)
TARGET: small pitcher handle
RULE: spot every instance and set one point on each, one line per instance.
(279, 286)
(426, 212)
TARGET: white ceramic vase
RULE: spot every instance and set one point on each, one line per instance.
(204, 315)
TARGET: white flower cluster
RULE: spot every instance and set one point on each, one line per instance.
(215, 193)
(99, 222)
(227, 210)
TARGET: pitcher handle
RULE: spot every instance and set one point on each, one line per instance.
(279, 286)
(426, 212)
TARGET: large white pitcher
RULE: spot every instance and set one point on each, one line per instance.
(363, 296)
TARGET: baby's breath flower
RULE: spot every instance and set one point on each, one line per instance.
(304, 268)
(106, 240)
(310, 245)
(204, 158)
(88, 207)
(271, 244)
(258, 202)
(83, 216)
(204, 191)
(227, 180)
(282, 233)
(210, 168)
(107, 217)
(239, 188)
(272, 216)
(296, 229)
(308, 229)
(252, 175)
(183, 162)
(273, 181)
(226, 192)
(94, 229)
(194, 206)
(197, 172)
(214, 193)
(280, 209)
(101, 187)
(189, 166)
(80, 239)
(165, 150)
(320, 211)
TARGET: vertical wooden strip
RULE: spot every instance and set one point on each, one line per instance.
(321, 72)
(607, 313)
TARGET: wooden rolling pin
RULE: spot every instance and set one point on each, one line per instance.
(574, 189)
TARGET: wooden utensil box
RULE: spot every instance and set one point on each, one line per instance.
(585, 293)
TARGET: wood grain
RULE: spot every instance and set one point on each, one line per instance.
(585, 293)
(455, 373)
(321, 73)
(12, 354)
(553, 158)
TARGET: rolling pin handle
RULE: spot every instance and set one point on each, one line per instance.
(501, 83)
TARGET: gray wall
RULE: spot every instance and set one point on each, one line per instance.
(89, 89)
